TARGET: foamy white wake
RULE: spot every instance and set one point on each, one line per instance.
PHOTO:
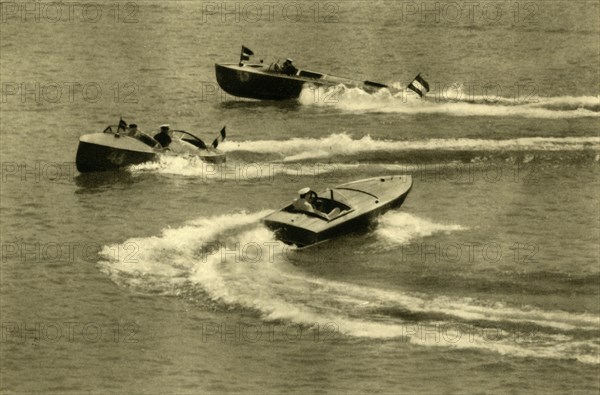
(289, 152)
(192, 166)
(454, 102)
(398, 228)
(342, 144)
(236, 263)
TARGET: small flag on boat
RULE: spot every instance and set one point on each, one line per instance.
(246, 53)
(215, 143)
(419, 85)
(122, 125)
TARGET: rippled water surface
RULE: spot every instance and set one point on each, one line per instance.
(161, 278)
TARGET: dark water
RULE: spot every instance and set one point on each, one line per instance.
(160, 278)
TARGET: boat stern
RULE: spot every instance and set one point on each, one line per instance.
(289, 233)
(105, 151)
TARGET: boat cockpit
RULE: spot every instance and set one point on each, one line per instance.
(138, 135)
(326, 208)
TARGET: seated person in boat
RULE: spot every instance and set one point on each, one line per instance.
(133, 131)
(307, 202)
(287, 67)
(163, 136)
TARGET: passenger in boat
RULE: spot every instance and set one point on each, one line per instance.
(132, 130)
(163, 136)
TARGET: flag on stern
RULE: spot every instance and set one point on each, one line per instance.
(122, 125)
(215, 143)
(419, 85)
(245, 54)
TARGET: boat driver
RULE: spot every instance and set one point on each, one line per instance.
(163, 136)
(307, 202)
(288, 68)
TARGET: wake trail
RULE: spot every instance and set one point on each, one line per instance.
(234, 262)
(454, 102)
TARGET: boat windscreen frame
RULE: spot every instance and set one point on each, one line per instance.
(309, 74)
(357, 190)
(201, 143)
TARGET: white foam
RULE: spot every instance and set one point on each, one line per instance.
(245, 267)
(399, 228)
(343, 144)
(191, 166)
(455, 102)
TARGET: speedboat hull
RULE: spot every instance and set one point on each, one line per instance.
(107, 151)
(257, 81)
(112, 151)
(364, 200)
(253, 83)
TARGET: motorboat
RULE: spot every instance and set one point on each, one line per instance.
(281, 80)
(339, 210)
(117, 148)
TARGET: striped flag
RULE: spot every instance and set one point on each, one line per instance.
(419, 85)
(215, 143)
(245, 54)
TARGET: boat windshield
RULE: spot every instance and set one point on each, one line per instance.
(338, 197)
(275, 66)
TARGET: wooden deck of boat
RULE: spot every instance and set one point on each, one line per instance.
(363, 196)
(377, 189)
(116, 141)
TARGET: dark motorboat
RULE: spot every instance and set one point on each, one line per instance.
(282, 81)
(111, 150)
(351, 207)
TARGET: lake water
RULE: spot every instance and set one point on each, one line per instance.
(160, 278)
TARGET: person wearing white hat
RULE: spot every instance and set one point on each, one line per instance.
(306, 200)
(163, 136)
(288, 67)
